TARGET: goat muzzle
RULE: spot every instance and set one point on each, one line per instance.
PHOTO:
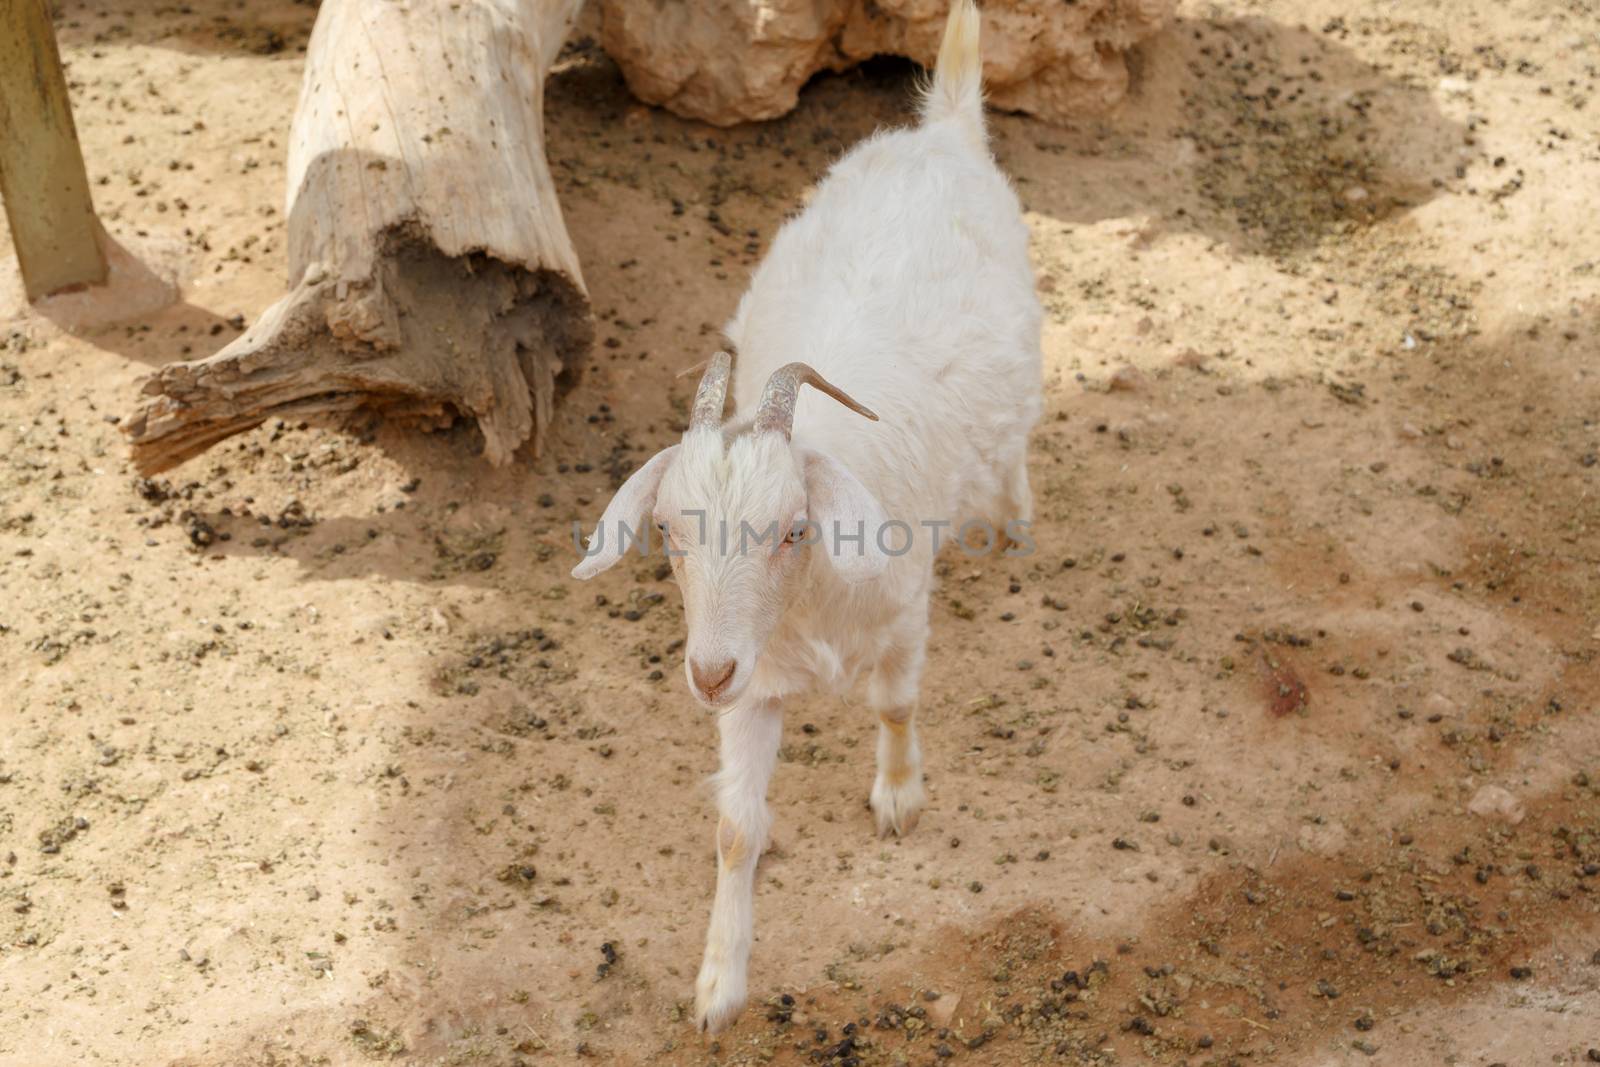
(712, 679)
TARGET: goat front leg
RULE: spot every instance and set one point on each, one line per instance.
(750, 735)
(897, 793)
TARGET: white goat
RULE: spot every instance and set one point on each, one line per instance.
(907, 281)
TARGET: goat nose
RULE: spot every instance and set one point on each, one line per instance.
(711, 679)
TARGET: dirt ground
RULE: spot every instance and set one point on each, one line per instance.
(1283, 749)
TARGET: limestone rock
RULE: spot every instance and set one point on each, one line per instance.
(730, 61)
(1493, 802)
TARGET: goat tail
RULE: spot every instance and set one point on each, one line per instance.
(957, 88)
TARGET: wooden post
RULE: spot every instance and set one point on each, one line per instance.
(42, 179)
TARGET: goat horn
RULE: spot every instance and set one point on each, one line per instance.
(713, 389)
(776, 410)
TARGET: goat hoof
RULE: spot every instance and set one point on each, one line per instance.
(719, 995)
(897, 807)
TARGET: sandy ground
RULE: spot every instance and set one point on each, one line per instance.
(1282, 749)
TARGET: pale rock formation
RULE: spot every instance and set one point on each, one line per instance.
(731, 61)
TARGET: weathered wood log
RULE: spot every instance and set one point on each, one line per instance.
(430, 272)
(42, 179)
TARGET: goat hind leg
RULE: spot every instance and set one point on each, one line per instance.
(1017, 513)
(897, 792)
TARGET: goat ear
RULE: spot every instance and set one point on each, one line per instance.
(838, 504)
(628, 509)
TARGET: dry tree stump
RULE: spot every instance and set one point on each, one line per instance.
(430, 272)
